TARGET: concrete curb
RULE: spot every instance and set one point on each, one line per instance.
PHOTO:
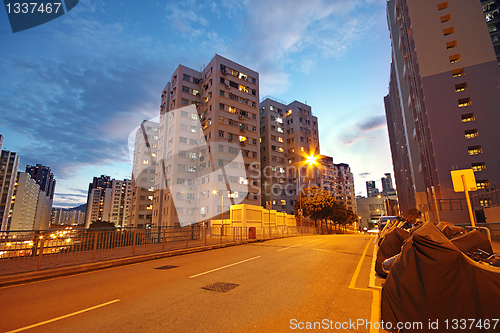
(13, 279)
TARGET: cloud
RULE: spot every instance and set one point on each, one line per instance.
(69, 200)
(77, 109)
(361, 130)
(364, 174)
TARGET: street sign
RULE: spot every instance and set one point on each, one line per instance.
(299, 211)
(464, 181)
(458, 183)
(269, 205)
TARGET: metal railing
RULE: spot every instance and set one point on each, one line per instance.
(34, 250)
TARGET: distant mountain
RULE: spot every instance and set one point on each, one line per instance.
(81, 208)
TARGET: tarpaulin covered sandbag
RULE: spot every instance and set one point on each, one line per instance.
(432, 281)
(450, 230)
(390, 246)
(473, 241)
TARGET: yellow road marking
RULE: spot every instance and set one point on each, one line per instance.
(376, 294)
(62, 317)
(216, 269)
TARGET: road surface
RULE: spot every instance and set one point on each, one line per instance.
(278, 286)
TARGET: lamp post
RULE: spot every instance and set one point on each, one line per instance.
(310, 161)
(222, 210)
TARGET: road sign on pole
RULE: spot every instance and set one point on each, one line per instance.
(464, 181)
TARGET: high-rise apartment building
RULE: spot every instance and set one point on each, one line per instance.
(208, 147)
(371, 190)
(24, 203)
(95, 199)
(61, 216)
(143, 174)
(288, 133)
(108, 201)
(116, 204)
(9, 164)
(442, 107)
(492, 17)
(43, 177)
(338, 180)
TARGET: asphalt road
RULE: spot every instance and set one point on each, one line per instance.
(282, 284)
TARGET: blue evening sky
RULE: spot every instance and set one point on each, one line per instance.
(73, 89)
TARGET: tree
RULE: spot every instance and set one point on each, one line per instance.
(317, 204)
(101, 225)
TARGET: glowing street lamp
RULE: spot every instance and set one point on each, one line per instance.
(310, 161)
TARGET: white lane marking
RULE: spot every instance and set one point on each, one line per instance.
(286, 248)
(216, 269)
(62, 317)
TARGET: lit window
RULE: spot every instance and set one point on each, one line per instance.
(243, 88)
(475, 150)
(232, 109)
(454, 58)
(478, 166)
(468, 117)
(482, 184)
(457, 72)
(452, 44)
(145, 162)
(243, 138)
(280, 149)
(301, 148)
(464, 102)
(461, 87)
(289, 112)
(283, 202)
(471, 134)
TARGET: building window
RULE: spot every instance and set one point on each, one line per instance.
(221, 106)
(442, 5)
(454, 58)
(464, 102)
(186, 77)
(452, 44)
(448, 31)
(457, 72)
(221, 133)
(222, 93)
(445, 18)
(180, 181)
(475, 150)
(471, 134)
(182, 140)
(481, 166)
(468, 117)
(482, 184)
(461, 87)
(185, 89)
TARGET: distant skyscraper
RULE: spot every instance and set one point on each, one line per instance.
(9, 164)
(108, 200)
(442, 107)
(371, 190)
(95, 199)
(1, 142)
(43, 177)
